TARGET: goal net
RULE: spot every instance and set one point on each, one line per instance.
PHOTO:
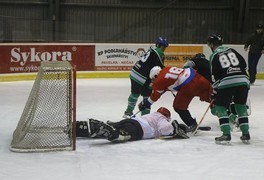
(48, 120)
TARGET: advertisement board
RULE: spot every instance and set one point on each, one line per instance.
(116, 57)
(177, 55)
(22, 58)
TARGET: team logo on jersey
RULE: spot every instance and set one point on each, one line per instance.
(232, 70)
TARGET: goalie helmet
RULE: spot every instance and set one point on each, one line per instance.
(214, 39)
(161, 41)
(154, 72)
(164, 111)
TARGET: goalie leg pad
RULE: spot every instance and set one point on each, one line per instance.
(100, 129)
(132, 101)
(94, 127)
(121, 137)
(131, 126)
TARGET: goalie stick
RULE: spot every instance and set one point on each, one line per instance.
(177, 136)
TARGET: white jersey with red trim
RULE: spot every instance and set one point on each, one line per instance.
(154, 125)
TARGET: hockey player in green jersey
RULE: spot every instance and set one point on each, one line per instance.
(230, 83)
(139, 75)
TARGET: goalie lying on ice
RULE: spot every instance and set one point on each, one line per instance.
(149, 126)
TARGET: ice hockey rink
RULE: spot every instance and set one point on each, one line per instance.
(196, 158)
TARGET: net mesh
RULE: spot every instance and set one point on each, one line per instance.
(46, 123)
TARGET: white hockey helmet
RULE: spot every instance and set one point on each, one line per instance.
(154, 72)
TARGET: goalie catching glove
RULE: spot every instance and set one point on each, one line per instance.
(179, 130)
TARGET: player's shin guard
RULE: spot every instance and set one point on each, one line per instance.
(225, 127)
(243, 125)
(242, 117)
(221, 113)
(132, 100)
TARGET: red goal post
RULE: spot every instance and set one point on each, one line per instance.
(48, 120)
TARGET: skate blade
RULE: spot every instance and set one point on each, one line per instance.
(126, 116)
(245, 141)
(223, 142)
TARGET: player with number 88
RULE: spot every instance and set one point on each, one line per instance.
(231, 82)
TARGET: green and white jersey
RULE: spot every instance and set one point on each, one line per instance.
(228, 68)
(153, 57)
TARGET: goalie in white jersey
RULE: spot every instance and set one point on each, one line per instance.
(148, 126)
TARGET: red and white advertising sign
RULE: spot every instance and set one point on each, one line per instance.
(20, 58)
(116, 57)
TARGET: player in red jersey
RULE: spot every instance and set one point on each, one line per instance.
(187, 83)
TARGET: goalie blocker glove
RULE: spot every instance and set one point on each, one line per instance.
(82, 129)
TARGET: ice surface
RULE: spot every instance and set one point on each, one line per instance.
(196, 158)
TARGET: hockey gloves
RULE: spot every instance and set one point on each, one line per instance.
(179, 131)
(145, 104)
(213, 95)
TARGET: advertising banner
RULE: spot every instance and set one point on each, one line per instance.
(177, 55)
(26, 58)
(116, 57)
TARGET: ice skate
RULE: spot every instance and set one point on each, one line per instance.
(192, 128)
(245, 138)
(224, 139)
(127, 114)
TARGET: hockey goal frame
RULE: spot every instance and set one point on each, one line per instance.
(69, 131)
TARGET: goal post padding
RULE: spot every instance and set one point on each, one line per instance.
(48, 120)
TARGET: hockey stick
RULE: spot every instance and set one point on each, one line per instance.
(134, 115)
(195, 131)
(202, 128)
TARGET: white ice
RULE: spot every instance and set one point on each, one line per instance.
(196, 158)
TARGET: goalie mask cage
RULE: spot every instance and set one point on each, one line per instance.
(48, 120)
